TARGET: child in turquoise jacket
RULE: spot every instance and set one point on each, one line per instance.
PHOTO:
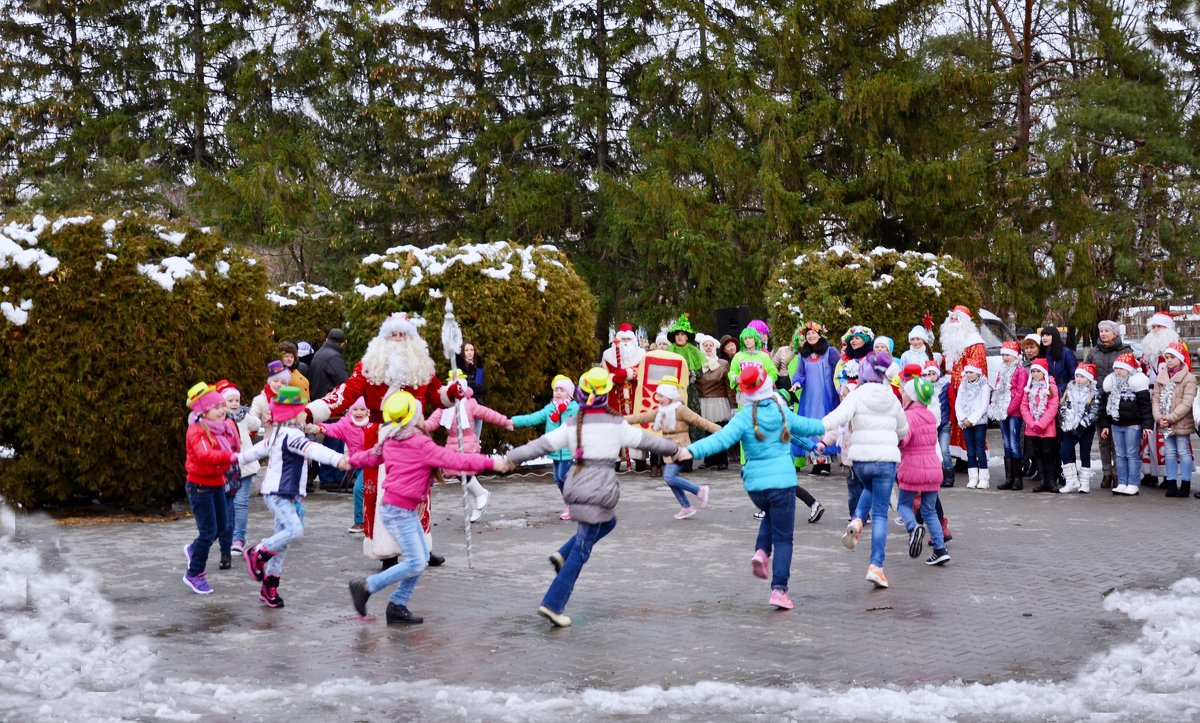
(765, 427)
(560, 408)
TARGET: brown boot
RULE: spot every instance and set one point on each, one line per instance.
(1106, 482)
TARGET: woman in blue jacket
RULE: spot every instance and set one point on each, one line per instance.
(1060, 359)
(765, 427)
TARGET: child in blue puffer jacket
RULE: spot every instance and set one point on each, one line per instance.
(560, 408)
(765, 428)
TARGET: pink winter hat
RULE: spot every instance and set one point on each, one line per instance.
(360, 403)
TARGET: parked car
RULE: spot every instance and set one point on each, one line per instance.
(994, 332)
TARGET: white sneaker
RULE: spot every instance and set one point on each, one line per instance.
(1120, 490)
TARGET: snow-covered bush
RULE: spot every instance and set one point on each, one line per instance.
(887, 290)
(304, 312)
(108, 320)
(530, 315)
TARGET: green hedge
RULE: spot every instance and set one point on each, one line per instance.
(530, 315)
(887, 290)
(94, 374)
(304, 312)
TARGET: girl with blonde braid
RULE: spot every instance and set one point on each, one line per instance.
(595, 437)
(765, 427)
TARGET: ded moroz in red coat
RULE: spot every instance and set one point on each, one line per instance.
(431, 395)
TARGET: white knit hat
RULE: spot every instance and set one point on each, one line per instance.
(920, 332)
(1112, 326)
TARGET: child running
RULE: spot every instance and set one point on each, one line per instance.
(920, 469)
(766, 431)
(212, 447)
(358, 432)
(560, 408)
(595, 438)
(674, 421)
(233, 539)
(284, 487)
(412, 461)
(459, 422)
(877, 425)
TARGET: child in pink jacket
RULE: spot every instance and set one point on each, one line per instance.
(459, 420)
(411, 459)
(358, 432)
(1039, 409)
(1006, 411)
(920, 470)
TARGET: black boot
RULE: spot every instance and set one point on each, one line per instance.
(226, 561)
(1008, 475)
(435, 561)
(1018, 480)
(1172, 489)
(1048, 484)
(1185, 488)
(400, 614)
(947, 476)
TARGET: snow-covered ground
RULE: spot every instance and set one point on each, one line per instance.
(60, 660)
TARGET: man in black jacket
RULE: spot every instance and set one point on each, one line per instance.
(326, 371)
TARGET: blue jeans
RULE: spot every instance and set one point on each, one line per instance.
(1012, 429)
(225, 539)
(288, 527)
(561, 467)
(1177, 452)
(775, 531)
(358, 497)
(877, 479)
(575, 553)
(330, 476)
(975, 437)
(241, 509)
(929, 514)
(854, 490)
(678, 484)
(944, 446)
(1082, 438)
(405, 526)
(1127, 442)
(209, 509)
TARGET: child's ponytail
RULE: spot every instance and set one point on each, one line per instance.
(578, 443)
(786, 436)
(754, 419)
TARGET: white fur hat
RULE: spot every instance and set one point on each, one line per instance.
(398, 322)
(701, 337)
(1162, 318)
(920, 332)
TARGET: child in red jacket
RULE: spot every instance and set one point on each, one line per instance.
(212, 444)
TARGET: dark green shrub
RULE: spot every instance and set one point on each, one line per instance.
(93, 382)
(304, 312)
(884, 289)
(525, 308)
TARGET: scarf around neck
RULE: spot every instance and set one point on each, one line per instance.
(223, 433)
(1039, 397)
(664, 418)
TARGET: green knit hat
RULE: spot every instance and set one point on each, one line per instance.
(682, 324)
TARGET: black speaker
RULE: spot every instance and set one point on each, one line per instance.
(732, 320)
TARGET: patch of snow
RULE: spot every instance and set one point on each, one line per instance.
(175, 238)
(504, 272)
(65, 221)
(435, 293)
(370, 292)
(16, 314)
(7, 452)
(168, 271)
(541, 285)
(280, 300)
(109, 226)
(222, 267)
(12, 253)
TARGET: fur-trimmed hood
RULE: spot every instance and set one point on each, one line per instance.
(1138, 382)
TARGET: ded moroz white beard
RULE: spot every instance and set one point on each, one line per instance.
(1154, 343)
(398, 363)
(956, 337)
(631, 355)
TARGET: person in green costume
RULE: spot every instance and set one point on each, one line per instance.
(750, 354)
(681, 335)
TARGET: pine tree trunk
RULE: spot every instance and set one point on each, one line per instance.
(198, 80)
(601, 87)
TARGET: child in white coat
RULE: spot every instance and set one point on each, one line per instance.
(971, 409)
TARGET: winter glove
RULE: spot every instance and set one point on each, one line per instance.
(508, 424)
(455, 392)
(619, 376)
(233, 458)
